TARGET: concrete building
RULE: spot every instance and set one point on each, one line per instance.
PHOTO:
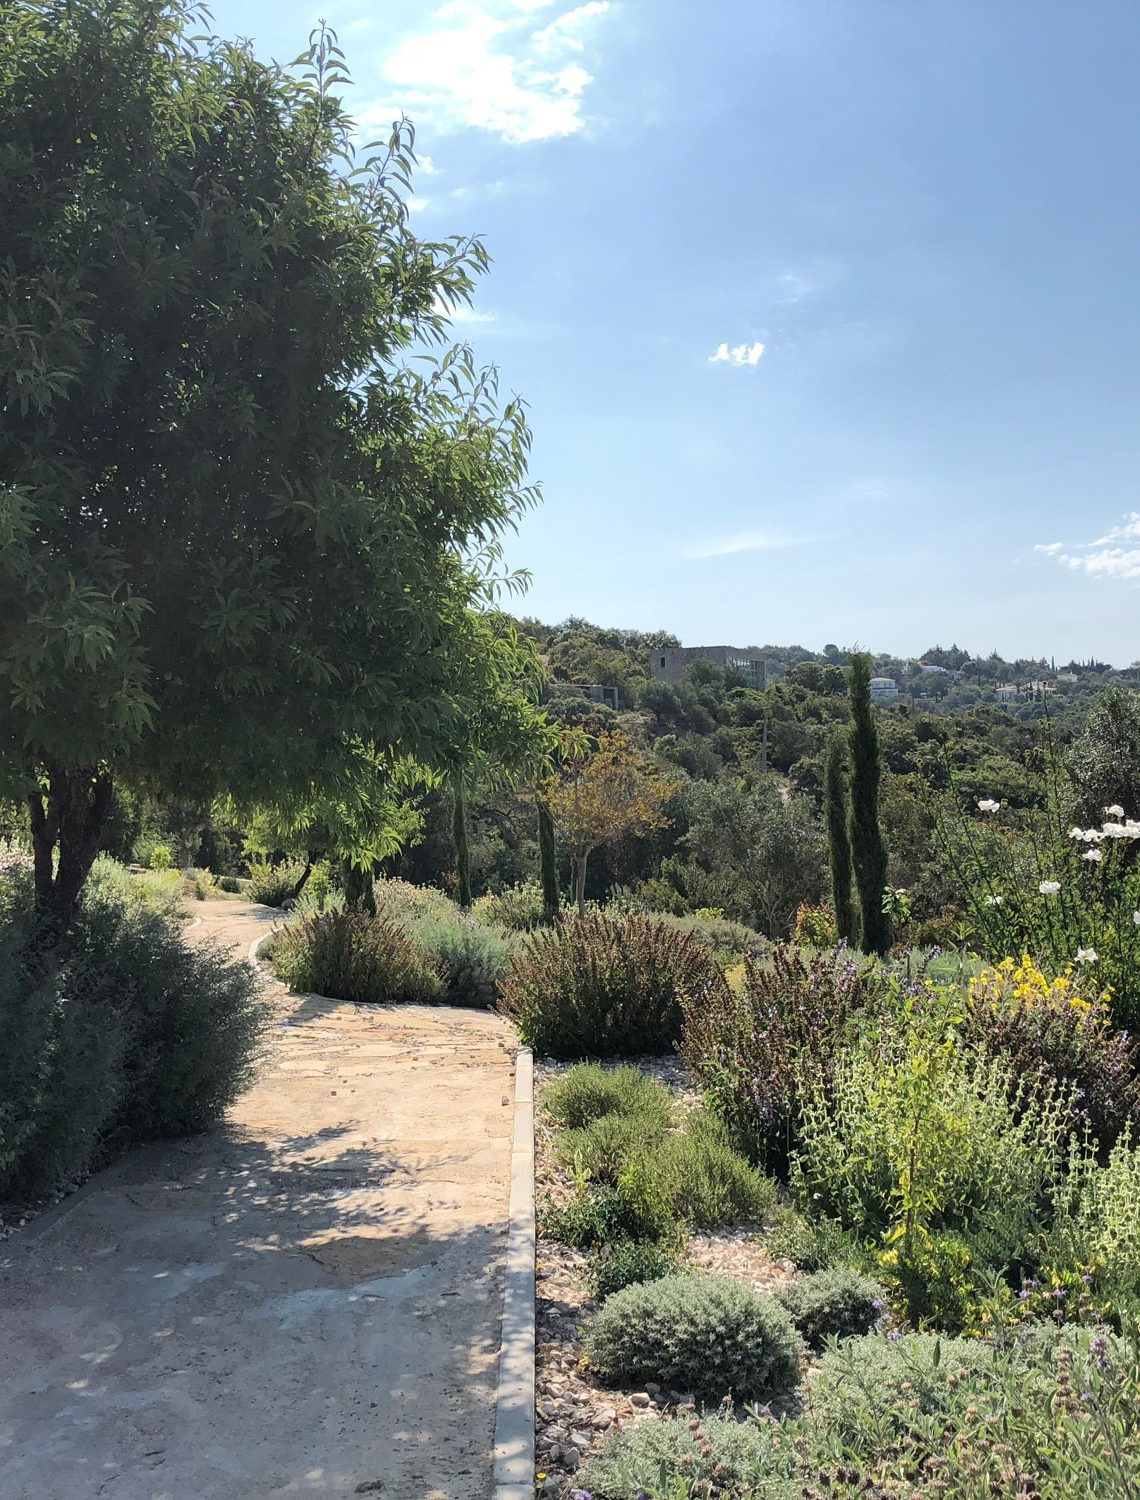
(669, 663)
(1006, 692)
(593, 692)
(884, 689)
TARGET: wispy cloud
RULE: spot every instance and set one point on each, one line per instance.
(1116, 554)
(738, 354)
(744, 541)
(484, 64)
(459, 312)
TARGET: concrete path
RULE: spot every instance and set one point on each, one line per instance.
(305, 1304)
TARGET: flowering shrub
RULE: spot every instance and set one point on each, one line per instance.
(840, 1303)
(1059, 1028)
(349, 955)
(518, 908)
(606, 986)
(1097, 1220)
(816, 926)
(747, 1044)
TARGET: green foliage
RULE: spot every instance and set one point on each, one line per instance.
(161, 857)
(602, 1150)
(246, 547)
(816, 926)
(839, 1303)
(159, 890)
(273, 884)
(597, 1216)
(459, 839)
(588, 1092)
(606, 986)
(698, 1176)
(868, 851)
(519, 908)
(705, 1335)
(128, 1035)
(839, 840)
(748, 1045)
(729, 942)
(350, 955)
(676, 1459)
(469, 957)
(613, 1267)
(548, 863)
(1097, 1219)
(810, 1244)
(408, 903)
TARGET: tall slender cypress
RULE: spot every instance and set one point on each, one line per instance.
(839, 840)
(459, 838)
(868, 850)
(548, 862)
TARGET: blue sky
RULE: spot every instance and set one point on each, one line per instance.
(827, 313)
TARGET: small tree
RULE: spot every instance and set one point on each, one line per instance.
(868, 849)
(839, 840)
(613, 793)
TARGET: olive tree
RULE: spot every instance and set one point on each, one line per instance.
(247, 545)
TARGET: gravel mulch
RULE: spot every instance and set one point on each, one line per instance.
(574, 1415)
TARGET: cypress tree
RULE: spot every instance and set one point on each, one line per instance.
(868, 850)
(548, 862)
(839, 840)
(459, 838)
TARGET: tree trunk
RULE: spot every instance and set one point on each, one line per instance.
(68, 814)
(459, 838)
(868, 850)
(305, 873)
(548, 863)
(580, 882)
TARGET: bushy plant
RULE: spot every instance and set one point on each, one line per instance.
(714, 1458)
(1097, 1219)
(518, 908)
(613, 1267)
(839, 1303)
(810, 1244)
(728, 942)
(350, 955)
(408, 902)
(709, 1336)
(602, 1150)
(607, 986)
(698, 1175)
(230, 884)
(161, 857)
(748, 1044)
(1061, 1029)
(587, 1092)
(469, 957)
(126, 1034)
(816, 926)
(597, 1216)
(160, 890)
(273, 884)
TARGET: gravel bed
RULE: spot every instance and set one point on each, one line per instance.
(574, 1415)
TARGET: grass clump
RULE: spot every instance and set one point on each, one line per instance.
(706, 1335)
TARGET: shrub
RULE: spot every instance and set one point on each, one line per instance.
(518, 908)
(1097, 1218)
(602, 1150)
(399, 898)
(728, 942)
(199, 885)
(810, 1244)
(627, 1263)
(273, 885)
(230, 884)
(698, 1176)
(747, 1045)
(602, 1215)
(161, 857)
(469, 958)
(160, 890)
(587, 1092)
(707, 1335)
(1056, 1029)
(717, 1456)
(350, 955)
(839, 1303)
(607, 986)
(816, 926)
(127, 1034)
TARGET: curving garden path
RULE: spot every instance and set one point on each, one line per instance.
(306, 1303)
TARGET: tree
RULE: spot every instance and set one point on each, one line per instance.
(839, 839)
(459, 839)
(548, 862)
(614, 792)
(244, 547)
(1105, 761)
(868, 849)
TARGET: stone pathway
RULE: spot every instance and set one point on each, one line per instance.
(306, 1303)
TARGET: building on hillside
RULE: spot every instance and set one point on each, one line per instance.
(1006, 692)
(669, 663)
(925, 666)
(593, 692)
(884, 689)
(1067, 677)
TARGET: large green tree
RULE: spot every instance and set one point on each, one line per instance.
(245, 546)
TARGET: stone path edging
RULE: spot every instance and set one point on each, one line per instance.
(514, 1403)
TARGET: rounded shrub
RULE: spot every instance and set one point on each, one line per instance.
(706, 1335)
(607, 986)
(469, 957)
(839, 1303)
(273, 885)
(601, 1215)
(588, 1092)
(351, 955)
(716, 1456)
(625, 1263)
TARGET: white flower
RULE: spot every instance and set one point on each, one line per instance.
(988, 805)
(997, 901)
(1049, 887)
(1086, 955)
(1115, 811)
(1115, 831)
(1136, 917)
(1094, 856)
(1076, 833)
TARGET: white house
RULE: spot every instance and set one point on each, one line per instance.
(883, 689)
(1006, 692)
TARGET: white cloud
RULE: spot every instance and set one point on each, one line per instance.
(1107, 556)
(482, 64)
(459, 312)
(739, 354)
(746, 541)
